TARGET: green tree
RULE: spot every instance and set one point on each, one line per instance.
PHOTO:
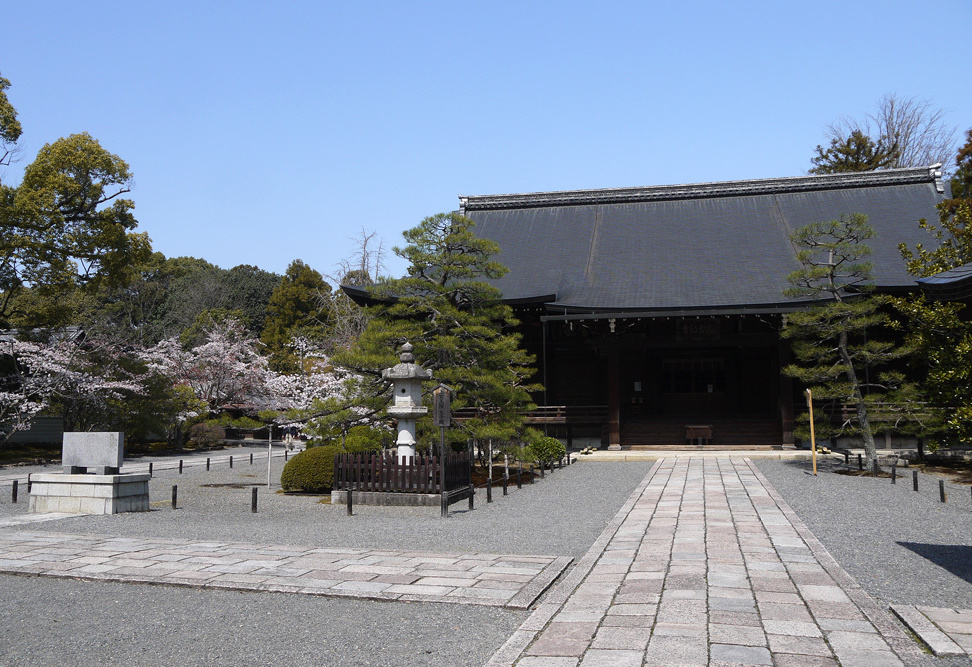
(940, 332)
(961, 181)
(65, 227)
(836, 341)
(10, 128)
(457, 323)
(295, 310)
(855, 152)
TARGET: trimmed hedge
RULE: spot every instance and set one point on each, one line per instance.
(311, 471)
(548, 449)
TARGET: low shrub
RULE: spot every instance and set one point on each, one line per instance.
(310, 471)
(366, 440)
(206, 435)
(547, 449)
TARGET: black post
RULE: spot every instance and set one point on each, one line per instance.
(253, 501)
(29, 483)
(231, 460)
(150, 468)
(894, 473)
(914, 479)
(532, 474)
(519, 475)
(472, 494)
(251, 458)
(286, 454)
(350, 501)
(941, 489)
(506, 481)
(860, 462)
(175, 494)
(13, 492)
(846, 458)
(489, 490)
(444, 505)
(180, 466)
(541, 470)
(207, 463)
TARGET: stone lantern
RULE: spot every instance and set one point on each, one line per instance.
(406, 379)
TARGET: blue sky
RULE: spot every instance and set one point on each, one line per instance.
(263, 132)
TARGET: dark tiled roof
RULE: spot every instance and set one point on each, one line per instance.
(712, 245)
(954, 284)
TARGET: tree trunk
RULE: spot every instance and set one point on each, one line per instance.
(870, 449)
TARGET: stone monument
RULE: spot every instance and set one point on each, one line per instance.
(406, 378)
(90, 482)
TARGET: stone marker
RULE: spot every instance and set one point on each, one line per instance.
(100, 453)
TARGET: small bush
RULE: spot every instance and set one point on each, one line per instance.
(548, 449)
(206, 435)
(311, 471)
(366, 440)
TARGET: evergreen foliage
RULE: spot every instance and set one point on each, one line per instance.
(940, 332)
(855, 152)
(310, 471)
(837, 342)
(458, 325)
(294, 311)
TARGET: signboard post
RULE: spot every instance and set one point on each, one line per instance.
(813, 442)
(442, 412)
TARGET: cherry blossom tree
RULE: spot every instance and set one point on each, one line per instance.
(60, 373)
(225, 369)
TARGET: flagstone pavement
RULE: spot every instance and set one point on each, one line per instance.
(705, 564)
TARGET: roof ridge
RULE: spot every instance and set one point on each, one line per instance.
(929, 174)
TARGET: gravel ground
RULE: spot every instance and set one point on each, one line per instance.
(59, 622)
(901, 546)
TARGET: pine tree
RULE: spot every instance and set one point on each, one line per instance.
(855, 152)
(836, 342)
(457, 323)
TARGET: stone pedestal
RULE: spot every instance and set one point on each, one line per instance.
(89, 494)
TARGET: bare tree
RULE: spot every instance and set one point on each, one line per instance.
(913, 128)
(362, 268)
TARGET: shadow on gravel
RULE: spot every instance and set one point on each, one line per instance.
(956, 558)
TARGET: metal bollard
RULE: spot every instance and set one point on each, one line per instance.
(506, 482)
(253, 501)
(150, 469)
(286, 454)
(207, 463)
(846, 458)
(519, 476)
(13, 492)
(251, 458)
(444, 505)
(29, 483)
(472, 494)
(231, 460)
(941, 490)
(349, 501)
(894, 474)
(541, 470)
(180, 466)
(860, 462)
(175, 495)
(914, 479)
(489, 490)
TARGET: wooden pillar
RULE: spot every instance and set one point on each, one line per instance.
(614, 395)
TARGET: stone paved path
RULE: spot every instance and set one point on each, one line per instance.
(484, 579)
(707, 565)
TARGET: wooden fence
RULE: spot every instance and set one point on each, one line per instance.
(390, 474)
